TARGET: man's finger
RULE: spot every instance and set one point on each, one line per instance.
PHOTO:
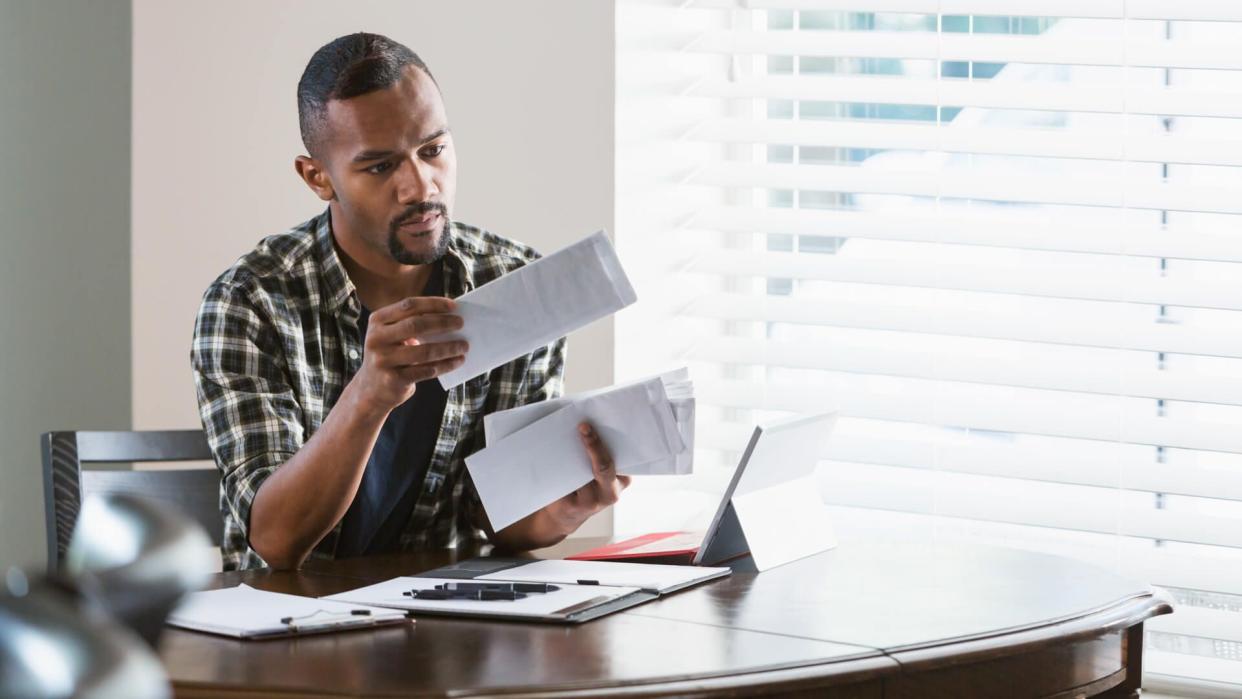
(415, 327)
(411, 355)
(601, 458)
(601, 463)
(412, 305)
(423, 372)
(427, 324)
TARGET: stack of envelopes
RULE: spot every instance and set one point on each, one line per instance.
(535, 456)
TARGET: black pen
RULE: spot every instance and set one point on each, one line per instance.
(480, 595)
(503, 586)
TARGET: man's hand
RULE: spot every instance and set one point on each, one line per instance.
(571, 511)
(561, 518)
(396, 356)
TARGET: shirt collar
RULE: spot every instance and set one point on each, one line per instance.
(458, 267)
(339, 289)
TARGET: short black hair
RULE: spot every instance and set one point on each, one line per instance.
(345, 67)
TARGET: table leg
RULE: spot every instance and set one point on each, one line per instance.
(1132, 648)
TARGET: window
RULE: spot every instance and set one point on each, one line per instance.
(1001, 238)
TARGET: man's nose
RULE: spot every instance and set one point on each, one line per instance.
(415, 182)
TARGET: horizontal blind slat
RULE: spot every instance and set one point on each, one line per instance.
(1199, 10)
(1045, 281)
(900, 359)
(1135, 558)
(1189, 675)
(1109, 145)
(1169, 101)
(1059, 188)
(965, 496)
(1202, 622)
(991, 48)
(930, 403)
(1091, 330)
(1013, 230)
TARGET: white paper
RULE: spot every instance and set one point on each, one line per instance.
(537, 304)
(526, 471)
(389, 594)
(678, 464)
(497, 426)
(537, 462)
(683, 412)
(623, 424)
(636, 421)
(647, 576)
(243, 611)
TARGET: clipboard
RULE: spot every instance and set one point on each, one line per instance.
(583, 590)
(565, 603)
(249, 614)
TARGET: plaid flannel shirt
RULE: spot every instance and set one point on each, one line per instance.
(275, 343)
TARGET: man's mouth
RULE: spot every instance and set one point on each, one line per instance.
(419, 225)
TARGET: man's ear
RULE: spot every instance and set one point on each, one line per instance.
(315, 176)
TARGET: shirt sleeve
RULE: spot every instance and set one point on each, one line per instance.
(245, 399)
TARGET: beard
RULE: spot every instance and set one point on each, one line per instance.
(403, 255)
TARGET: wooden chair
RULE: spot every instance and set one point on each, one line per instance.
(194, 492)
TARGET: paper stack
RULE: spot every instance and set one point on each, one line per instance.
(535, 456)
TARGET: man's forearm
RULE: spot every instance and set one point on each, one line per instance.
(301, 502)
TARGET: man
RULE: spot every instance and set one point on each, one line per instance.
(316, 355)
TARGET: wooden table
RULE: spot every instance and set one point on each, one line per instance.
(869, 619)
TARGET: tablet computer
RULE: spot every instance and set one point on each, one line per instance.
(772, 510)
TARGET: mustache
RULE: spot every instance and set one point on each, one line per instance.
(418, 210)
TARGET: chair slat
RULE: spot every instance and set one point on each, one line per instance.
(166, 445)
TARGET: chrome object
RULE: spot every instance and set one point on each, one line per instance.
(136, 558)
(54, 644)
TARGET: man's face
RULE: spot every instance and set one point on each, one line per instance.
(393, 170)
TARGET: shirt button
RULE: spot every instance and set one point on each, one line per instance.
(353, 354)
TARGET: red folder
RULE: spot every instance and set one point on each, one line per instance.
(661, 547)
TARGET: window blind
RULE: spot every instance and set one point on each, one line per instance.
(1001, 237)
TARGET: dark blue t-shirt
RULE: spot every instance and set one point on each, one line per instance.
(398, 463)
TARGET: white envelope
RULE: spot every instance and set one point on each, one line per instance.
(537, 304)
(678, 464)
(527, 471)
(615, 411)
(545, 460)
(681, 463)
(636, 421)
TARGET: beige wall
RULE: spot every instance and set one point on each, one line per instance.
(64, 224)
(529, 92)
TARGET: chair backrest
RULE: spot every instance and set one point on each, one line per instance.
(194, 492)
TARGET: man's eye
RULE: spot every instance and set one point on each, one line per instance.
(379, 168)
(433, 151)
